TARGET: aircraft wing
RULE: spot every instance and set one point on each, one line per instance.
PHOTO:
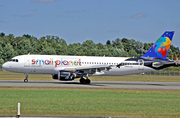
(90, 69)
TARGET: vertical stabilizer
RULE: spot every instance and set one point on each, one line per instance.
(161, 48)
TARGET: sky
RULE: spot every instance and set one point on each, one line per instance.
(76, 21)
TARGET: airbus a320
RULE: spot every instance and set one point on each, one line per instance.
(67, 68)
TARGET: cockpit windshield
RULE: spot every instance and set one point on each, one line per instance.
(13, 60)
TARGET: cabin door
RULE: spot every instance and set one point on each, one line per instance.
(141, 64)
(27, 61)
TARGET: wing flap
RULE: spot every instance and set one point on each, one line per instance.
(94, 69)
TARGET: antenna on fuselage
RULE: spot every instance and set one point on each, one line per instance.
(29, 53)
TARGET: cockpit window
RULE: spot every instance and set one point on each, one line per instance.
(13, 60)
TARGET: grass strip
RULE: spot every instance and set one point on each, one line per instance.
(90, 102)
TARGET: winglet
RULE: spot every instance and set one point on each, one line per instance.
(161, 48)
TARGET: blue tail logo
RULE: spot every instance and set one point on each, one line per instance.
(161, 48)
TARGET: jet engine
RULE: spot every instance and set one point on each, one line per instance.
(64, 76)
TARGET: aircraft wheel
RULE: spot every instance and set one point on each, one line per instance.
(82, 80)
(87, 81)
(25, 80)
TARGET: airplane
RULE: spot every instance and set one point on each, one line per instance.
(68, 68)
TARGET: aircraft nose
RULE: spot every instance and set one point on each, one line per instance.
(4, 66)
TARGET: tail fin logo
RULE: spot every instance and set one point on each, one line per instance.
(161, 47)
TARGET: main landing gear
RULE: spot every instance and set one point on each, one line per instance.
(85, 81)
(26, 80)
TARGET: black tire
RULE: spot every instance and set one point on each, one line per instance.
(25, 80)
(82, 80)
(87, 81)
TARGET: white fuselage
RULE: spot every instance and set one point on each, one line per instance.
(51, 64)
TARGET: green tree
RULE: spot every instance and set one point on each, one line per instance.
(11, 46)
(48, 51)
(27, 36)
(2, 34)
(74, 48)
(132, 43)
(102, 50)
(117, 43)
(147, 46)
(139, 47)
(33, 43)
(127, 44)
(2, 45)
(24, 46)
(89, 47)
(132, 53)
(1, 62)
(8, 52)
(41, 44)
(108, 42)
(174, 51)
(118, 52)
(61, 47)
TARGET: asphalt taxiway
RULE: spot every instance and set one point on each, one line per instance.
(94, 84)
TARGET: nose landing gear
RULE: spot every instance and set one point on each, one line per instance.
(26, 80)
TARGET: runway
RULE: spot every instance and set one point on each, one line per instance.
(94, 84)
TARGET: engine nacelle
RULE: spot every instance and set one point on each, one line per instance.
(64, 76)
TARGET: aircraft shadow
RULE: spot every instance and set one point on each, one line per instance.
(94, 83)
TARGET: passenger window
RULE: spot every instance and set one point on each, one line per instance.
(16, 60)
